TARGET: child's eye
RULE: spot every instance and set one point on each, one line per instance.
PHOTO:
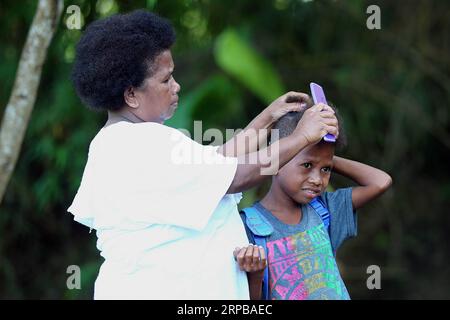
(307, 165)
(326, 169)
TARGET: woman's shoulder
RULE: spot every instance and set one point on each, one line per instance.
(124, 126)
(136, 138)
(126, 131)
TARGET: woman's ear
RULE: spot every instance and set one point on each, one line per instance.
(130, 98)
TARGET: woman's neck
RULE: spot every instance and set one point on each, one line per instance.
(281, 205)
(122, 115)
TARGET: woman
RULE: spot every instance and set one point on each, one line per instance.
(165, 228)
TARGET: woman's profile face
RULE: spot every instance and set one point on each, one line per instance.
(158, 96)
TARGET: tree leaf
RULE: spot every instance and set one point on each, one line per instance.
(238, 58)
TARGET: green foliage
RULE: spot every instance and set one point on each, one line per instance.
(214, 100)
(238, 58)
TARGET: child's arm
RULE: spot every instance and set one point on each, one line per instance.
(372, 181)
(252, 259)
(249, 139)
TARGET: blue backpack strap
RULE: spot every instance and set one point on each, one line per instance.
(261, 229)
(256, 222)
(319, 206)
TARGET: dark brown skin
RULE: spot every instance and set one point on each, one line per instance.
(252, 259)
(305, 177)
(248, 140)
(315, 123)
(155, 100)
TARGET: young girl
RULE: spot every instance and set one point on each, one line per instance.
(303, 224)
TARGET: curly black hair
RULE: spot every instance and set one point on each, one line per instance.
(287, 124)
(116, 53)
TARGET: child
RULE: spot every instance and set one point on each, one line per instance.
(301, 238)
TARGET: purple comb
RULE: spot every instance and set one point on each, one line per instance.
(319, 96)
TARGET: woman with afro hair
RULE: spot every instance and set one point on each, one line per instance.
(166, 228)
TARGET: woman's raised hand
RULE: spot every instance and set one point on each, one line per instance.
(316, 122)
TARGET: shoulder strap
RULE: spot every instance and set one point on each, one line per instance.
(256, 222)
(319, 206)
(261, 229)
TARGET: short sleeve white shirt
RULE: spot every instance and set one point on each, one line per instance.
(164, 223)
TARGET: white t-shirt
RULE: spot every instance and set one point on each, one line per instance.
(165, 226)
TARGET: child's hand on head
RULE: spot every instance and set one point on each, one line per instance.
(316, 122)
(251, 258)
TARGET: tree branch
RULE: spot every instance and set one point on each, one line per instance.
(23, 96)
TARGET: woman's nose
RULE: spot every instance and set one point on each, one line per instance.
(177, 86)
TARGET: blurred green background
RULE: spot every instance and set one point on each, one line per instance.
(392, 87)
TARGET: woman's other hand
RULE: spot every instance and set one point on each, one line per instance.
(291, 101)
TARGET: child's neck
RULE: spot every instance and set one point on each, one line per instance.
(282, 206)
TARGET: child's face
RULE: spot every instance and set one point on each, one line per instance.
(307, 175)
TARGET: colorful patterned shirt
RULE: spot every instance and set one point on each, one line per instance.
(301, 259)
